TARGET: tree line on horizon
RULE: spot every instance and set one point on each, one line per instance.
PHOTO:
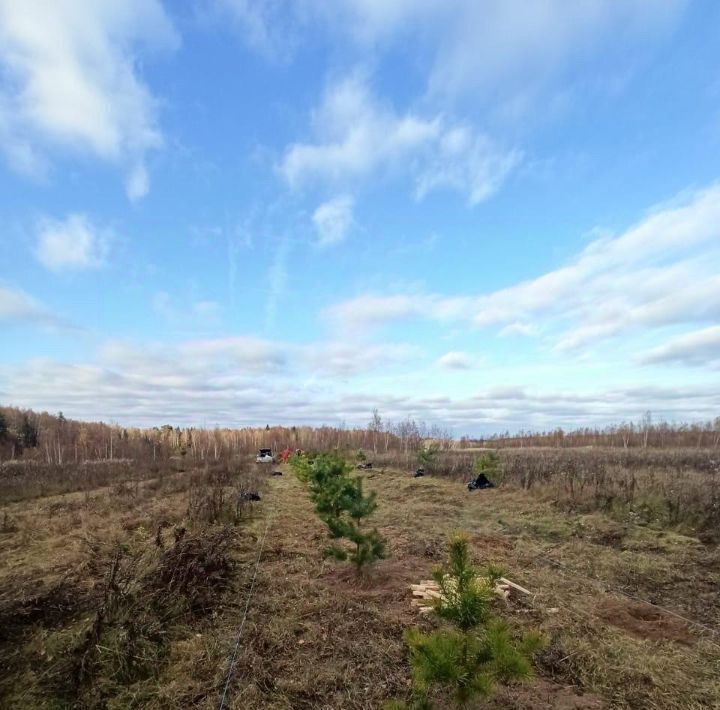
(645, 434)
(53, 438)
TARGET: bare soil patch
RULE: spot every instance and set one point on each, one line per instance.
(644, 621)
(546, 695)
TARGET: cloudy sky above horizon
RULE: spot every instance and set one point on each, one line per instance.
(486, 214)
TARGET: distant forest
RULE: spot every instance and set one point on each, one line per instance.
(644, 434)
(53, 438)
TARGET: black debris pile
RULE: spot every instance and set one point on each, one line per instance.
(364, 466)
(277, 473)
(250, 495)
(479, 483)
(419, 473)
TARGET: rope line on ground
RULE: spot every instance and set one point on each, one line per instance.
(233, 657)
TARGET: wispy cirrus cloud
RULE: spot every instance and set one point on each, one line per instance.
(333, 219)
(277, 276)
(664, 270)
(267, 27)
(70, 82)
(699, 348)
(510, 50)
(20, 308)
(73, 243)
(358, 137)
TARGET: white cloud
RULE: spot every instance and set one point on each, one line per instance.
(235, 357)
(137, 184)
(457, 360)
(71, 244)
(20, 308)
(358, 137)
(509, 51)
(368, 310)
(257, 353)
(698, 348)
(219, 383)
(333, 219)
(347, 359)
(235, 348)
(468, 162)
(17, 305)
(70, 81)
(510, 48)
(663, 271)
(504, 50)
(267, 26)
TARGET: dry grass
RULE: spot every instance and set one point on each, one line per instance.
(321, 638)
(676, 489)
(316, 635)
(103, 591)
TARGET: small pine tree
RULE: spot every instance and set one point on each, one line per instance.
(301, 467)
(346, 523)
(427, 455)
(342, 505)
(489, 464)
(328, 483)
(3, 427)
(477, 650)
(466, 596)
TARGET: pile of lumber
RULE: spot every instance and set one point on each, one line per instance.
(428, 590)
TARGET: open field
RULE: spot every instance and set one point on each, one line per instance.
(129, 590)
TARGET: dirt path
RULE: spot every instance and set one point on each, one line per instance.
(319, 637)
(314, 637)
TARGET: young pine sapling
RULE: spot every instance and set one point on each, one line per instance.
(476, 650)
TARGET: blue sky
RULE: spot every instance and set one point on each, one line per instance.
(488, 214)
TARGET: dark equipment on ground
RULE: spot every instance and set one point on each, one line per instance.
(277, 473)
(265, 456)
(364, 466)
(482, 481)
(419, 473)
(250, 495)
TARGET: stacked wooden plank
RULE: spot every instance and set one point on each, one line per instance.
(424, 593)
(428, 590)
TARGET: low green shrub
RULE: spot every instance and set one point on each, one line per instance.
(343, 506)
(475, 650)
